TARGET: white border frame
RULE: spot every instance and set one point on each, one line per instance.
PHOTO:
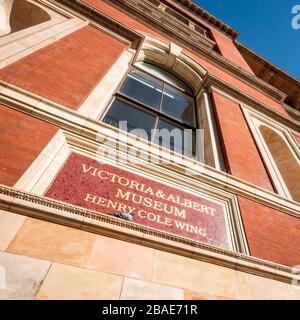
(254, 121)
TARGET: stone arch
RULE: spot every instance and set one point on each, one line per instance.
(16, 15)
(287, 163)
(169, 56)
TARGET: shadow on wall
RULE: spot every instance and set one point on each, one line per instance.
(25, 14)
(286, 162)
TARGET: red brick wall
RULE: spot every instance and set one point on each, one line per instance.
(272, 235)
(241, 154)
(21, 141)
(242, 86)
(130, 22)
(229, 50)
(67, 70)
(121, 17)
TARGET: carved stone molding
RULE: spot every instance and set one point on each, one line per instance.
(170, 56)
(207, 17)
(135, 38)
(20, 202)
(94, 16)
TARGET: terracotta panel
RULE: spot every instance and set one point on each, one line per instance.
(67, 70)
(22, 139)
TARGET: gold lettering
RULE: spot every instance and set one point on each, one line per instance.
(171, 198)
(142, 214)
(90, 198)
(189, 228)
(134, 185)
(179, 213)
(151, 216)
(125, 182)
(87, 169)
(111, 204)
(148, 202)
(158, 206)
(149, 190)
(122, 207)
(188, 203)
(212, 211)
(122, 195)
(104, 172)
(168, 222)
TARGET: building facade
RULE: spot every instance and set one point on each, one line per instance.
(145, 154)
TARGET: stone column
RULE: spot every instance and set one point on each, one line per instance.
(5, 10)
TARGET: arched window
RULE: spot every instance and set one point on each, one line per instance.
(288, 166)
(153, 99)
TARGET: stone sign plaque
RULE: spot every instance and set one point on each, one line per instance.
(108, 189)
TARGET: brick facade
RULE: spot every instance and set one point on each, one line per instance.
(22, 139)
(272, 235)
(242, 156)
(66, 71)
(78, 254)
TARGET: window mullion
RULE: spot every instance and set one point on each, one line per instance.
(162, 97)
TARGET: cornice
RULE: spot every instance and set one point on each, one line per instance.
(210, 19)
(292, 112)
(131, 8)
(212, 82)
(162, 21)
(84, 11)
(39, 207)
(118, 28)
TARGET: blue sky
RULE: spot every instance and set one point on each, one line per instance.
(264, 26)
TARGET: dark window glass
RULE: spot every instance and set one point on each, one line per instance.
(178, 105)
(179, 139)
(165, 76)
(135, 117)
(148, 103)
(143, 88)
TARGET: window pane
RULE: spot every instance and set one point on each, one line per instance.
(135, 117)
(175, 138)
(178, 105)
(143, 88)
(165, 76)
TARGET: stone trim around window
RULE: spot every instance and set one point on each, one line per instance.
(256, 120)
